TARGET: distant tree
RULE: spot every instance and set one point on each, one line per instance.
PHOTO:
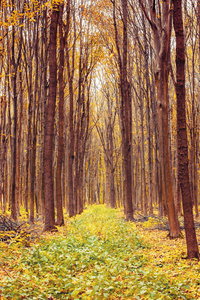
(106, 136)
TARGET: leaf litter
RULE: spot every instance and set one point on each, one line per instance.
(97, 255)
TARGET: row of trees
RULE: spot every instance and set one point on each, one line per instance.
(93, 108)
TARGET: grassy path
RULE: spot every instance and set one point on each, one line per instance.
(98, 255)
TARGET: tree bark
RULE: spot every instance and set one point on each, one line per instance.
(70, 72)
(49, 125)
(191, 240)
(125, 109)
(161, 28)
(15, 64)
(59, 205)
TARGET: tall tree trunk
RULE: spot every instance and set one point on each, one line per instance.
(44, 63)
(144, 201)
(125, 109)
(13, 195)
(15, 64)
(3, 108)
(148, 117)
(112, 168)
(162, 32)
(126, 112)
(70, 72)
(59, 204)
(49, 125)
(191, 240)
(77, 137)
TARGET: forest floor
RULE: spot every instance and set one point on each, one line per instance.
(97, 255)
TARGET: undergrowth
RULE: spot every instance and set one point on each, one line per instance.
(97, 255)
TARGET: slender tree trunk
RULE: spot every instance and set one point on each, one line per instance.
(3, 108)
(59, 205)
(162, 32)
(14, 152)
(44, 54)
(126, 109)
(112, 171)
(49, 125)
(191, 240)
(148, 108)
(70, 72)
(107, 187)
(143, 168)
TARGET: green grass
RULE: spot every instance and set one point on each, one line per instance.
(97, 255)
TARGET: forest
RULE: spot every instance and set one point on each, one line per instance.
(99, 149)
